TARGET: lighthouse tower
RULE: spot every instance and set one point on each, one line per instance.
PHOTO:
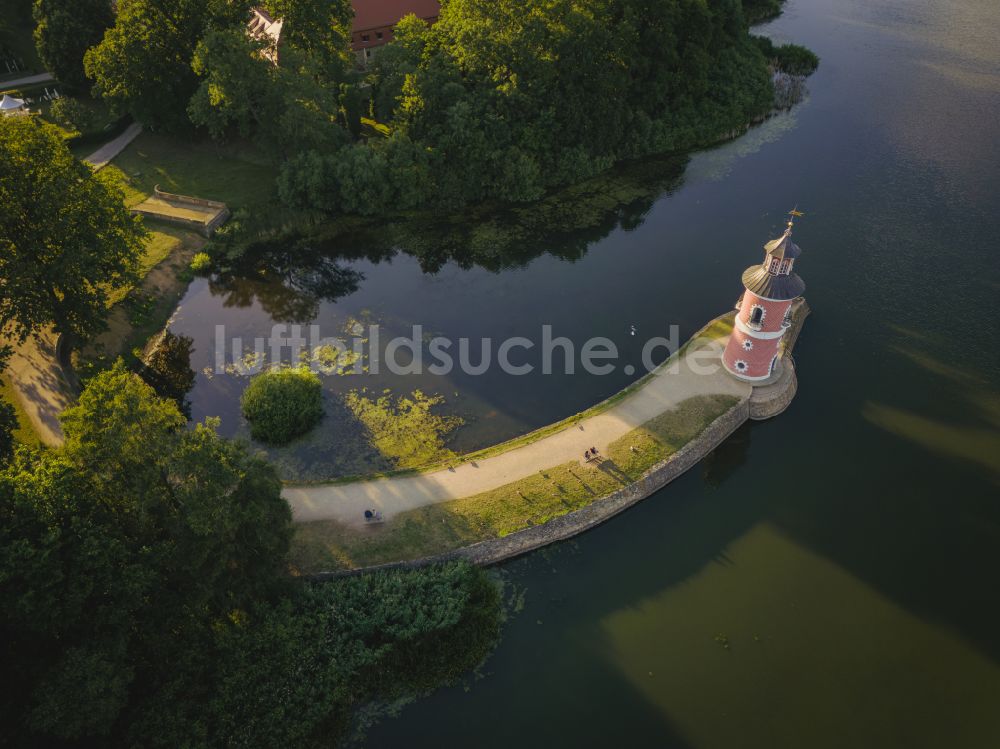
(764, 312)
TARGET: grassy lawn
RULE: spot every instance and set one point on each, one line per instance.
(136, 314)
(162, 242)
(25, 433)
(233, 174)
(236, 175)
(328, 545)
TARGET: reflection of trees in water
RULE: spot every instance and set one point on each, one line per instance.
(565, 224)
(290, 275)
(167, 369)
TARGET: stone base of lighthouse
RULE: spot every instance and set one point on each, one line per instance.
(773, 396)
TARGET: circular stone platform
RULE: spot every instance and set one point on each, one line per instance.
(772, 396)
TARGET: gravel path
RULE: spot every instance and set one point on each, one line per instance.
(40, 386)
(29, 80)
(672, 384)
(100, 158)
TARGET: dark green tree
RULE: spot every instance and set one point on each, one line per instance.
(66, 237)
(64, 31)
(380, 637)
(508, 99)
(120, 556)
(321, 31)
(143, 64)
(144, 599)
(285, 108)
(8, 423)
(394, 62)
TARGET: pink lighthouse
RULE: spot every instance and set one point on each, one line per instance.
(764, 312)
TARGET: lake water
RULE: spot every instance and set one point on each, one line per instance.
(827, 578)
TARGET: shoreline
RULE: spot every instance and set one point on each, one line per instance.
(762, 402)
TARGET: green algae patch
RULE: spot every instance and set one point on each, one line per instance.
(406, 430)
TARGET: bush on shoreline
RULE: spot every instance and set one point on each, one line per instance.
(283, 404)
(792, 59)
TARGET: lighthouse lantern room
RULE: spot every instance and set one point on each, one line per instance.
(763, 314)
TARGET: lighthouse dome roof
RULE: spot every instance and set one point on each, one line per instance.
(771, 286)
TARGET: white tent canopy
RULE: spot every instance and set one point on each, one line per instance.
(10, 104)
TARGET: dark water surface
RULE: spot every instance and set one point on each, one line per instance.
(828, 578)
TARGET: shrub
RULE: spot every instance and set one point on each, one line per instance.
(365, 643)
(72, 114)
(796, 60)
(758, 11)
(201, 263)
(8, 423)
(789, 58)
(282, 404)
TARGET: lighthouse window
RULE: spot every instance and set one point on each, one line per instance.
(757, 315)
(774, 265)
(748, 344)
(785, 265)
(741, 366)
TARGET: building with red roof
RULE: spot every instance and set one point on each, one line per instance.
(374, 21)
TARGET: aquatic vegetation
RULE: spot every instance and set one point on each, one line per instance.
(404, 429)
(201, 262)
(330, 360)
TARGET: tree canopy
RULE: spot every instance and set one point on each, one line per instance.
(145, 599)
(8, 423)
(66, 237)
(497, 100)
(508, 99)
(167, 368)
(285, 108)
(64, 31)
(120, 550)
(143, 63)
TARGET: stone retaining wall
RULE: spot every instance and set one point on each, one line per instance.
(205, 228)
(497, 550)
(775, 398)
(189, 200)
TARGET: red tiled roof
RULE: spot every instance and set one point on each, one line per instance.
(374, 14)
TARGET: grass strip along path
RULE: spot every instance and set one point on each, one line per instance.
(527, 485)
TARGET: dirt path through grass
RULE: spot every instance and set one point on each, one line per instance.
(103, 155)
(43, 390)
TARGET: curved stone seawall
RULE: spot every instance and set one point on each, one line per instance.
(566, 526)
(763, 403)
